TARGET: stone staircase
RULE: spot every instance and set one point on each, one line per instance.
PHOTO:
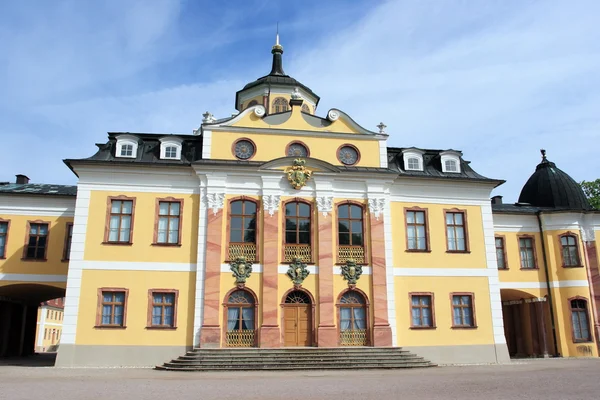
(315, 358)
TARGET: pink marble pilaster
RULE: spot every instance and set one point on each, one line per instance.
(270, 334)
(382, 333)
(327, 332)
(593, 274)
(211, 330)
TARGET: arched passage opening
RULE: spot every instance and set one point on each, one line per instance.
(19, 305)
(298, 318)
(527, 324)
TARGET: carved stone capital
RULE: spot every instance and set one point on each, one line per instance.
(271, 203)
(215, 201)
(325, 204)
(377, 206)
(587, 233)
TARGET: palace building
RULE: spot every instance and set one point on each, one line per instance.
(283, 226)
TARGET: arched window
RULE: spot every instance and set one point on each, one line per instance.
(353, 319)
(351, 233)
(580, 320)
(306, 108)
(570, 251)
(280, 104)
(252, 103)
(240, 319)
(297, 231)
(242, 230)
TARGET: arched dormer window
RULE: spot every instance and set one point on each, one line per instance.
(450, 161)
(280, 104)
(351, 238)
(570, 250)
(127, 146)
(170, 148)
(413, 159)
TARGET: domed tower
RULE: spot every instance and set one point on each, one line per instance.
(274, 90)
(551, 187)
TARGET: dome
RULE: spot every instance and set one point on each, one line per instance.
(551, 187)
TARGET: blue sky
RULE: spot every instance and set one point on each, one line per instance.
(497, 79)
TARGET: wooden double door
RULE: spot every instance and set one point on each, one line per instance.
(297, 321)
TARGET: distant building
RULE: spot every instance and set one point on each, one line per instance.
(278, 227)
(49, 325)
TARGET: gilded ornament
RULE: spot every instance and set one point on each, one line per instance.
(297, 272)
(241, 270)
(297, 174)
(351, 272)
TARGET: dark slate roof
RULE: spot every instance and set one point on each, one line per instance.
(38, 189)
(432, 166)
(553, 188)
(521, 208)
(149, 150)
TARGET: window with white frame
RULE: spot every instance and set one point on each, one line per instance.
(170, 148)
(450, 161)
(127, 146)
(413, 160)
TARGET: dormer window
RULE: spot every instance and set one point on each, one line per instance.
(413, 159)
(450, 161)
(170, 148)
(127, 146)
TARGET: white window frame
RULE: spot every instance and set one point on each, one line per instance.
(170, 142)
(124, 140)
(413, 153)
(450, 156)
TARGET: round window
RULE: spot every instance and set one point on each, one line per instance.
(297, 150)
(348, 155)
(244, 149)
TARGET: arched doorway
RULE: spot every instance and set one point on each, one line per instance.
(240, 312)
(297, 319)
(353, 318)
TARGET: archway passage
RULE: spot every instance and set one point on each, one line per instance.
(297, 319)
(19, 305)
(353, 319)
(241, 319)
(527, 324)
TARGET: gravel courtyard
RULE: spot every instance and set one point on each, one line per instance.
(527, 379)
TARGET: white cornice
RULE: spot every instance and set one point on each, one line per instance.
(37, 205)
(292, 132)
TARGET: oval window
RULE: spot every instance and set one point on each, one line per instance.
(244, 149)
(348, 155)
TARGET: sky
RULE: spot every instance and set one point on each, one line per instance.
(496, 79)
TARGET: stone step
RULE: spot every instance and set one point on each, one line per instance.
(287, 359)
(267, 367)
(294, 361)
(237, 353)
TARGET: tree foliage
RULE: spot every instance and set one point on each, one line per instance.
(592, 192)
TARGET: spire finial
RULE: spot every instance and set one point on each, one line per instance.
(543, 155)
(277, 36)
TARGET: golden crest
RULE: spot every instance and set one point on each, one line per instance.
(298, 174)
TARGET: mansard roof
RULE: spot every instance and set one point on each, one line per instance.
(38, 189)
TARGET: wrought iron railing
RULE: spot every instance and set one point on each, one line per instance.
(301, 251)
(356, 253)
(240, 338)
(247, 250)
(354, 337)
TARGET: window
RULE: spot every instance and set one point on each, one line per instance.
(244, 149)
(37, 241)
(421, 309)
(126, 146)
(241, 322)
(501, 253)
(252, 103)
(46, 333)
(527, 252)
(348, 154)
(170, 147)
(305, 108)
(120, 225)
(47, 313)
(416, 230)
(353, 319)
(3, 238)
(580, 320)
(297, 149)
(297, 232)
(68, 239)
(350, 233)
(168, 229)
(570, 251)
(280, 104)
(171, 152)
(163, 304)
(112, 307)
(413, 159)
(413, 163)
(456, 231)
(127, 150)
(242, 230)
(450, 161)
(463, 315)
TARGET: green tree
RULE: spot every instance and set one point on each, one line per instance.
(592, 191)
